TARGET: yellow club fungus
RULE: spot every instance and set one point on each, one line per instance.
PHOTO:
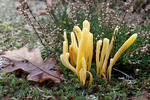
(77, 31)
(128, 43)
(98, 47)
(106, 49)
(90, 50)
(80, 52)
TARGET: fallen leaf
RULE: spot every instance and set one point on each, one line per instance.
(32, 63)
(23, 53)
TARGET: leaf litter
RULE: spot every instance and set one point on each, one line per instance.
(32, 63)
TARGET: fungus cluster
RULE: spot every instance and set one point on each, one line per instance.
(80, 53)
(106, 49)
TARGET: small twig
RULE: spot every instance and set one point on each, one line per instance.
(41, 93)
(35, 19)
(28, 20)
(142, 88)
(27, 12)
(123, 73)
(48, 97)
(30, 11)
(49, 13)
(39, 90)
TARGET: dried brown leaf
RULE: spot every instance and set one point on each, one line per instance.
(32, 63)
(23, 53)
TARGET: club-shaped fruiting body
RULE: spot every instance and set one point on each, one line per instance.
(106, 49)
(127, 44)
(80, 52)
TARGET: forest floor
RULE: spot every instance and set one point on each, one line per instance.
(14, 86)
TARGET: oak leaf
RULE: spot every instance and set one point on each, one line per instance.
(23, 53)
(32, 63)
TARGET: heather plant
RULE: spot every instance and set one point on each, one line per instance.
(62, 16)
